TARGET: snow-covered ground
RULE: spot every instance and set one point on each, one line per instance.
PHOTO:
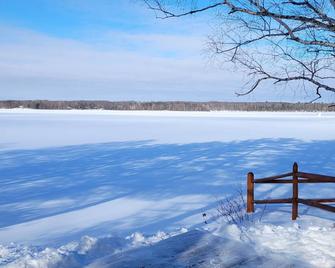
(131, 188)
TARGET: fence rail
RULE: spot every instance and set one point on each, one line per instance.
(297, 177)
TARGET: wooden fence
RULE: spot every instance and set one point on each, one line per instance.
(296, 178)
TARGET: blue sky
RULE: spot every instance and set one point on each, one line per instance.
(114, 50)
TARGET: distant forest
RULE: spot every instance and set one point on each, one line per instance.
(168, 105)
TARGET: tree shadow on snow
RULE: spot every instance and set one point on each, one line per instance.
(44, 182)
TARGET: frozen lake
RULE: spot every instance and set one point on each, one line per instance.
(68, 173)
(22, 129)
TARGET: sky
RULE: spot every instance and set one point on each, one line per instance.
(114, 50)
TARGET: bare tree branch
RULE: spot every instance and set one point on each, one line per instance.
(297, 35)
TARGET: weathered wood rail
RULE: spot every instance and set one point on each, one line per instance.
(296, 178)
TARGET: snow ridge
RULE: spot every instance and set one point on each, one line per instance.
(261, 245)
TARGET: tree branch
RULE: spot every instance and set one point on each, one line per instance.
(296, 39)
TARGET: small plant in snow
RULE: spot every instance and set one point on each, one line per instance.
(233, 210)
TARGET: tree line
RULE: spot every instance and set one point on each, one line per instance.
(166, 105)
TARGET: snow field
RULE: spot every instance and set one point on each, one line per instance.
(89, 188)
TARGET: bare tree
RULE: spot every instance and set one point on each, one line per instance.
(281, 41)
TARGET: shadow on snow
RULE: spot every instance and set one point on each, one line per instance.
(44, 182)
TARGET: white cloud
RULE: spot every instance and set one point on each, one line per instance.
(119, 65)
(134, 64)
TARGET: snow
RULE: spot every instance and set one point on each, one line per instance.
(274, 246)
(111, 179)
(203, 249)
(313, 245)
(40, 127)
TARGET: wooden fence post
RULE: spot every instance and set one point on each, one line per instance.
(295, 192)
(250, 192)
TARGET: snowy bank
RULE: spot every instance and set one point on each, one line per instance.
(259, 246)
